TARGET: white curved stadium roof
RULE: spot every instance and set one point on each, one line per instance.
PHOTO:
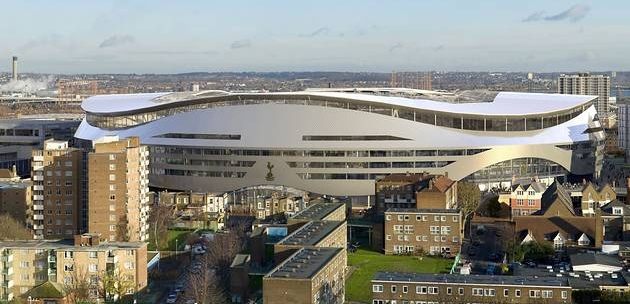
(505, 103)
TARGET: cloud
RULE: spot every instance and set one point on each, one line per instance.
(318, 32)
(116, 40)
(573, 14)
(395, 47)
(239, 44)
(439, 47)
(534, 16)
(175, 52)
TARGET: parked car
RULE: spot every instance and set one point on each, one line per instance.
(172, 298)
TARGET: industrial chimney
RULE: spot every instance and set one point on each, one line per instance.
(15, 75)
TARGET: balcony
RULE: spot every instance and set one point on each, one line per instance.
(38, 178)
(38, 168)
(52, 259)
(112, 259)
(7, 283)
(38, 187)
(7, 271)
(38, 227)
(38, 217)
(38, 158)
(38, 197)
(38, 207)
(7, 259)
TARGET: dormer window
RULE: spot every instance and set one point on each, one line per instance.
(558, 242)
(617, 210)
(584, 240)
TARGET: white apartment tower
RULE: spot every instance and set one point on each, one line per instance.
(587, 84)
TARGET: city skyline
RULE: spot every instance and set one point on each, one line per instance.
(165, 37)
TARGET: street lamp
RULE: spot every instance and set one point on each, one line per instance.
(176, 247)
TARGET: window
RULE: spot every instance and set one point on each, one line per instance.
(112, 157)
(443, 218)
(112, 187)
(377, 288)
(129, 265)
(93, 254)
(564, 294)
(530, 202)
(112, 228)
(24, 276)
(418, 218)
(112, 167)
(455, 219)
(112, 218)
(517, 293)
(400, 218)
(93, 268)
(534, 293)
(435, 229)
(112, 207)
(393, 288)
(378, 302)
(421, 289)
(405, 289)
(424, 218)
(506, 292)
(24, 264)
(433, 290)
(68, 254)
(489, 292)
(477, 292)
(388, 217)
(388, 237)
(445, 230)
(112, 177)
(449, 290)
(547, 294)
(460, 291)
(67, 267)
(436, 218)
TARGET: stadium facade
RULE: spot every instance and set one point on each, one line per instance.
(338, 142)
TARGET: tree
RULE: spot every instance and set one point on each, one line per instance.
(122, 229)
(160, 219)
(468, 195)
(535, 251)
(77, 285)
(114, 285)
(12, 229)
(493, 207)
(205, 288)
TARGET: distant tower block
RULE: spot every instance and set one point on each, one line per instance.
(195, 87)
(15, 71)
(530, 76)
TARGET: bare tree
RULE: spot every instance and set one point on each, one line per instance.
(223, 249)
(468, 196)
(160, 219)
(205, 288)
(12, 229)
(122, 229)
(77, 285)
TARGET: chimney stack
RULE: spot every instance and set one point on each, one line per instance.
(15, 71)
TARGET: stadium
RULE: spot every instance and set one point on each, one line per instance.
(339, 141)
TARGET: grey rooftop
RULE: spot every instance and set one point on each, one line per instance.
(305, 263)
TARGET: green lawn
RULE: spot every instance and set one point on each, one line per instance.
(367, 263)
(179, 235)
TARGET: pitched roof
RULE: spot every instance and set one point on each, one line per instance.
(608, 208)
(442, 183)
(537, 186)
(547, 228)
(555, 194)
(47, 290)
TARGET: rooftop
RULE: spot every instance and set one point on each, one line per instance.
(416, 210)
(470, 279)
(68, 245)
(505, 103)
(311, 233)
(593, 258)
(317, 211)
(305, 263)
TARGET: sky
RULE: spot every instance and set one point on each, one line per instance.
(135, 36)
